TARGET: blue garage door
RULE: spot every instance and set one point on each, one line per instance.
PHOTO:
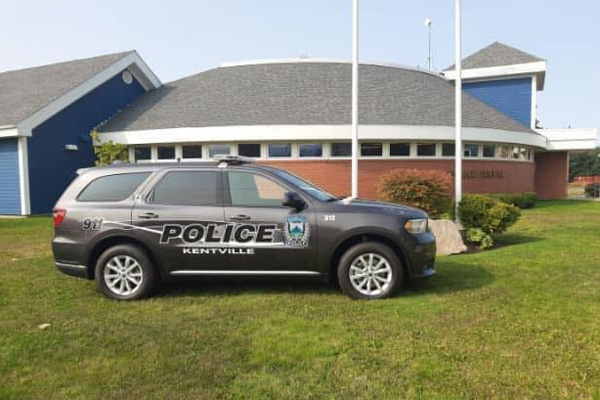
(10, 199)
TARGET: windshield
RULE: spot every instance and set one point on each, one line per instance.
(305, 186)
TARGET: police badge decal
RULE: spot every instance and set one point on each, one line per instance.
(297, 231)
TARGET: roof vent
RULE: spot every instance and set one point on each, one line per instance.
(127, 77)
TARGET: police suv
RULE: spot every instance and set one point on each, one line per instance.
(131, 226)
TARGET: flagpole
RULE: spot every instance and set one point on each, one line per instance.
(355, 99)
(458, 109)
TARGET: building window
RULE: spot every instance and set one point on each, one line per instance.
(399, 149)
(249, 150)
(515, 152)
(448, 149)
(166, 152)
(191, 151)
(470, 150)
(277, 150)
(489, 151)
(310, 149)
(341, 149)
(525, 154)
(142, 153)
(426, 149)
(217, 150)
(371, 149)
(505, 151)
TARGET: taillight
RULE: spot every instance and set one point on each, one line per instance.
(58, 214)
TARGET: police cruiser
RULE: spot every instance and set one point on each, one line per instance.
(132, 226)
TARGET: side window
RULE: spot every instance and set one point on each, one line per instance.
(112, 187)
(249, 189)
(194, 188)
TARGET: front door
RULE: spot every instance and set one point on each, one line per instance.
(278, 238)
(182, 218)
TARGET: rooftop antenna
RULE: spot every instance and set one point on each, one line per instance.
(428, 24)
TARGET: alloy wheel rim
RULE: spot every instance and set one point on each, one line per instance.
(371, 274)
(123, 275)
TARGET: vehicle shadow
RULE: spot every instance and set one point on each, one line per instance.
(452, 276)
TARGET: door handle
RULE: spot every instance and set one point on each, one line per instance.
(240, 218)
(148, 215)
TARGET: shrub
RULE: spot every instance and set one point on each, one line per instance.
(592, 190)
(522, 200)
(424, 189)
(479, 238)
(108, 152)
(488, 214)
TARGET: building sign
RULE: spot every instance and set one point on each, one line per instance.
(482, 174)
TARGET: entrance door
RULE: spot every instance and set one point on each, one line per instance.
(283, 238)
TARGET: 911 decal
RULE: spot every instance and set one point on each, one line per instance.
(92, 224)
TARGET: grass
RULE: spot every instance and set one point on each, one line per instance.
(518, 322)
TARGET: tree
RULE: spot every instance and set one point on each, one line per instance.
(108, 152)
(585, 163)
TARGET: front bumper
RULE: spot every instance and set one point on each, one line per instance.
(78, 271)
(422, 256)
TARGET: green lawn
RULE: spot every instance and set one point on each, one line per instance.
(518, 322)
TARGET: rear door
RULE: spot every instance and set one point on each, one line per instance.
(277, 238)
(178, 214)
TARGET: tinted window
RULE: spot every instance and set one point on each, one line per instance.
(187, 188)
(166, 152)
(142, 153)
(341, 149)
(489, 150)
(249, 149)
(400, 149)
(250, 189)
(426, 149)
(192, 151)
(471, 150)
(112, 187)
(311, 150)
(448, 149)
(217, 149)
(371, 149)
(280, 150)
(306, 187)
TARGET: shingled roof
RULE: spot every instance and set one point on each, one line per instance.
(305, 93)
(25, 91)
(495, 55)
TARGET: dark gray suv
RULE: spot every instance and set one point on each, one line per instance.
(133, 226)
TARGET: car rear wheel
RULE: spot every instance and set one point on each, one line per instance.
(370, 270)
(125, 272)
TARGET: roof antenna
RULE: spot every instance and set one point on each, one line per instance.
(428, 24)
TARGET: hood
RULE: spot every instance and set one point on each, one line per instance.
(388, 208)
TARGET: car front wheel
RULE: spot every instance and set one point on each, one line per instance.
(125, 272)
(370, 270)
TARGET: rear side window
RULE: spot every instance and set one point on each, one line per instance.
(194, 188)
(112, 187)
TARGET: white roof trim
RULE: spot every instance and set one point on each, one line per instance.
(535, 68)
(323, 61)
(571, 139)
(132, 61)
(319, 132)
(8, 131)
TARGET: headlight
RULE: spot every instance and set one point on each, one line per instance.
(416, 226)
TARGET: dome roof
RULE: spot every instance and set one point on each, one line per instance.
(305, 92)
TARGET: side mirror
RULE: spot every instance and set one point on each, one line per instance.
(293, 199)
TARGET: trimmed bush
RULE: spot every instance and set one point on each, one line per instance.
(479, 238)
(424, 189)
(522, 200)
(487, 214)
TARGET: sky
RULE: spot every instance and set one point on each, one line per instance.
(178, 38)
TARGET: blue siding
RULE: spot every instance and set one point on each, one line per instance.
(10, 194)
(51, 167)
(510, 96)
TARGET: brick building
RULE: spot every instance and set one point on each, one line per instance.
(296, 114)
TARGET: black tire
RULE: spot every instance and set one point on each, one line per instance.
(395, 273)
(124, 253)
